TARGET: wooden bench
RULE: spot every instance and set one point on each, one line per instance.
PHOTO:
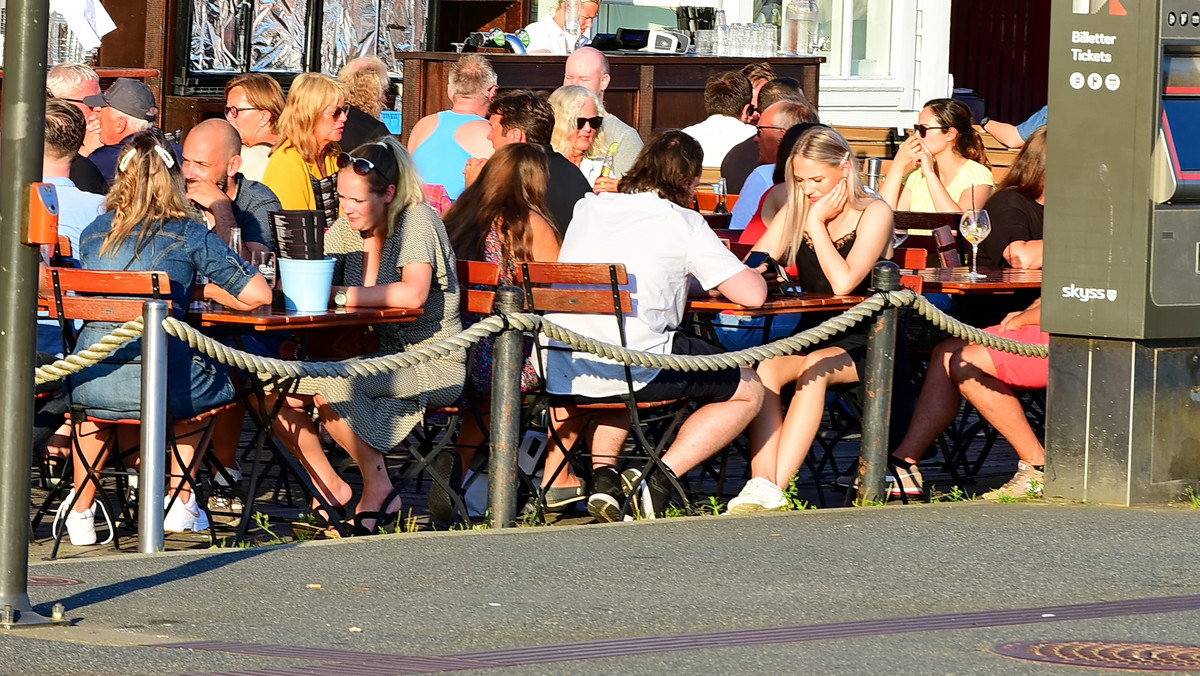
(872, 141)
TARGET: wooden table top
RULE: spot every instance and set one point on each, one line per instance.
(270, 319)
(955, 280)
(809, 302)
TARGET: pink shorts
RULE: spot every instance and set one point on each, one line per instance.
(1025, 373)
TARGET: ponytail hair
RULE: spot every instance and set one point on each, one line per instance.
(955, 114)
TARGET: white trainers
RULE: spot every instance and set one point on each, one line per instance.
(758, 495)
(81, 526)
(184, 516)
(1026, 483)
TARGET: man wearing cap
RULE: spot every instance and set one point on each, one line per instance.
(127, 108)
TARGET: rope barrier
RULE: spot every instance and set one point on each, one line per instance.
(533, 323)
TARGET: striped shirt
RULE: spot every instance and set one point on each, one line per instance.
(972, 174)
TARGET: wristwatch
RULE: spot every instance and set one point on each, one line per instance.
(339, 298)
(984, 122)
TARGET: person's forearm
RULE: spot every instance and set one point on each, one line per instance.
(942, 202)
(1005, 133)
(397, 295)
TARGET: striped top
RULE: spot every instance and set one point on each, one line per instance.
(972, 174)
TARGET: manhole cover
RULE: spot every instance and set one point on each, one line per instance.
(47, 581)
(1107, 654)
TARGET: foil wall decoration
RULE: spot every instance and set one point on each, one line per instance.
(214, 40)
(278, 34)
(350, 30)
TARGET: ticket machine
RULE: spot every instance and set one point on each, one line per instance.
(1121, 289)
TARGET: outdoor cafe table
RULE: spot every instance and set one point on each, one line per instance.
(775, 305)
(271, 319)
(954, 281)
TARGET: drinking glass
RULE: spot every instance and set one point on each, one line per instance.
(704, 41)
(975, 227)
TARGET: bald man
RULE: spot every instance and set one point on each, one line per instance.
(587, 67)
(211, 160)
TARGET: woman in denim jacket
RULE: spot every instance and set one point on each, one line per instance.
(150, 225)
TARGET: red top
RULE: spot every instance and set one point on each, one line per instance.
(756, 228)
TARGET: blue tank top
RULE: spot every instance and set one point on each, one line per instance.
(440, 160)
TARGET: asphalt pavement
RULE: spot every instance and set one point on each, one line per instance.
(919, 589)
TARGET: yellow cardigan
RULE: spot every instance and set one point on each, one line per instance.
(290, 177)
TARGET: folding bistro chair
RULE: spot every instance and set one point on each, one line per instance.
(579, 288)
(90, 295)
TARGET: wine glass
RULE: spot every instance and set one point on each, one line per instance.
(975, 227)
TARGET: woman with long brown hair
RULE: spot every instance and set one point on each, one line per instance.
(500, 218)
(943, 166)
(150, 225)
(1017, 212)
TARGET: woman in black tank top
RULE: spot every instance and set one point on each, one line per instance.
(834, 231)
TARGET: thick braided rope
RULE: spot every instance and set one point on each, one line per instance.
(94, 354)
(969, 333)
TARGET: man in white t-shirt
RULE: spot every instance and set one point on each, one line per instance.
(671, 245)
(727, 98)
(549, 36)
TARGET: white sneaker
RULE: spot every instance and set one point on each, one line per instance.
(184, 516)
(81, 526)
(758, 495)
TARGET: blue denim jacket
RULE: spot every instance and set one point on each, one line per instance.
(180, 248)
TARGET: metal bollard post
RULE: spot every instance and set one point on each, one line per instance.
(877, 382)
(506, 413)
(21, 155)
(154, 428)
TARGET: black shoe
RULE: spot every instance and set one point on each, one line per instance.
(607, 496)
(632, 482)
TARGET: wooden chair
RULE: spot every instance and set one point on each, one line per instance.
(103, 296)
(708, 201)
(599, 289)
(932, 232)
(871, 141)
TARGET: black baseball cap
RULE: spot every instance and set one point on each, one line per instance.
(129, 96)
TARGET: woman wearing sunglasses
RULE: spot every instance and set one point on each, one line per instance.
(943, 166)
(391, 251)
(302, 170)
(578, 115)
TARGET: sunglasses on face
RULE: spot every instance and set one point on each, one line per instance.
(594, 122)
(922, 130)
(341, 111)
(361, 166)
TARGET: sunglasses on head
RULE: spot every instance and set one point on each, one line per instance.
(361, 166)
(595, 122)
(922, 130)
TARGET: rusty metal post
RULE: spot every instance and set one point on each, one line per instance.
(877, 383)
(506, 413)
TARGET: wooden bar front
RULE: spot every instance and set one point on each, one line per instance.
(650, 92)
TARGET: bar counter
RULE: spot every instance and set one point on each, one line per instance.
(648, 91)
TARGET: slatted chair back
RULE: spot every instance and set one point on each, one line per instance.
(594, 288)
(101, 295)
(947, 247)
(478, 281)
(911, 258)
(928, 231)
(871, 141)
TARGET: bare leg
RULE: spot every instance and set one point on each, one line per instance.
(821, 369)
(227, 435)
(567, 424)
(936, 406)
(91, 438)
(470, 433)
(377, 485)
(609, 434)
(713, 426)
(768, 424)
(186, 437)
(299, 434)
(976, 374)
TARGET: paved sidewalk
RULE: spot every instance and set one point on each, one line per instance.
(801, 592)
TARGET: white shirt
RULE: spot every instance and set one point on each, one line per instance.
(757, 184)
(546, 35)
(661, 244)
(717, 135)
(254, 161)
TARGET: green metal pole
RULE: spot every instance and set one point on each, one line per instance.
(21, 138)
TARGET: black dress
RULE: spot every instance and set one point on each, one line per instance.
(360, 128)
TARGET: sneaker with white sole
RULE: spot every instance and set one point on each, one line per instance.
(650, 495)
(184, 516)
(1027, 482)
(604, 503)
(81, 526)
(758, 495)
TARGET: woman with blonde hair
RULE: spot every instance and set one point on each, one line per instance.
(150, 225)
(366, 82)
(834, 232)
(577, 136)
(943, 166)
(253, 104)
(303, 167)
(391, 251)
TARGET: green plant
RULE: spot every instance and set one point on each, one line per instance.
(264, 522)
(1193, 499)
(863, 502)
(792, 495)
(1033, 489)
(528, 519)
(673, 511)
(715, 505)
(956, 494)
(1006, 498)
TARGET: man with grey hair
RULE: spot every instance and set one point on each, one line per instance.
(442, 143)
(587, 67)
(73, 82)
(127, 108)
(366, 81)
(773, 124)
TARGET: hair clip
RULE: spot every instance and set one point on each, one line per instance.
(125, 160)
(167, 157)
(845, 156)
